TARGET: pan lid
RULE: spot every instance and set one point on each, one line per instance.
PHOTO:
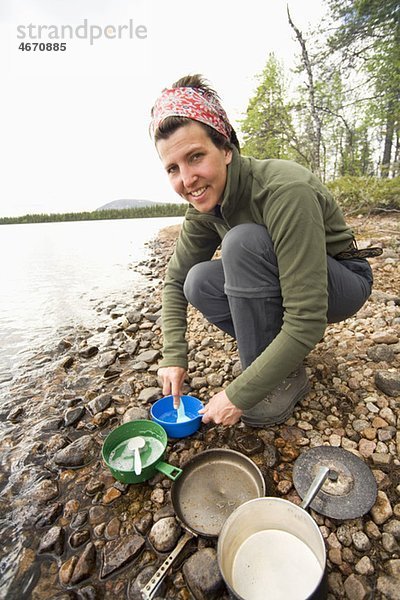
(213, 484)
(350, 489)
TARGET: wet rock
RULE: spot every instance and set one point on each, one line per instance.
(66, 570)
(364, 566)
(131, 347)
(144, 523)
(112, 529)
(388, 382)
(15, 414)
(79, 519)
(97, 514)
(73, 415)
(99, 403)
(150, 394)
(46, 490)
(111, 494)
(203, 576)
(250, 444)
(85, 565)
(270, 455)
(88, 592)
(164, 534)
(120, 552)
(135, 588)
(88, 351)
(52, 541)
(77, 454)
(382, 510)
(106, 359)
(78, 538)
(49, 515)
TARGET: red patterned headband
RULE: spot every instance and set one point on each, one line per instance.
(193, 103)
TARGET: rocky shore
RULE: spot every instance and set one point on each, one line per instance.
(69, 530)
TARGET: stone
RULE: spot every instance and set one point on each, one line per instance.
(382, 353)
(389, 543)
(249, 444)
(99, 403)
(85, 565)
(150, 394)
(389, 587)
(361, 541)
(111, 494)
(365, 566)
(215, 380)
(384, 337)
(49, 515)
(203, 576)
(78, 538)
(149, 356)
(78, 453)
(88, 351)
(106, 359)
(382, 510)
(73, 415)
(136, 413)
(356, 587)
(52, 541)
(45, 490)
(164, 534)
(120, 552)
(66, 570)
(198, 382)
(388, 382)
(112, 528)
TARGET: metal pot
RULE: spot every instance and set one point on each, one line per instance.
(212, 485)
(156, 443)
(270, 548)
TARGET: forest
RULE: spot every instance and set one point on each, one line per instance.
(341, 117)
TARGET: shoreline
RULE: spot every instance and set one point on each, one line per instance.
(70, 529)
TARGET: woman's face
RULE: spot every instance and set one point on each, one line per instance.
(196, 168)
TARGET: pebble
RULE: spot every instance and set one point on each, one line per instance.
(164, 534)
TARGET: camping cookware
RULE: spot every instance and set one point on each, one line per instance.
(164, 413)
(120, 460)
(349, 495)
(270, 548)
(213, 484)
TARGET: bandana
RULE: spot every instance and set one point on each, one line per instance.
(193, 103)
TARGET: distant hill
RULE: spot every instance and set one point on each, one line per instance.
(120, 204)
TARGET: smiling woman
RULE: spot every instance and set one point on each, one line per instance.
(285, 269)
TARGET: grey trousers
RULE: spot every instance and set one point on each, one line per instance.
(240, 293)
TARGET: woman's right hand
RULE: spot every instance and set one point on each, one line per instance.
(172, 379)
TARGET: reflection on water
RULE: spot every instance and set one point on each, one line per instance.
(52, 274)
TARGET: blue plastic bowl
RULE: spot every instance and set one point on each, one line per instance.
(164, 413)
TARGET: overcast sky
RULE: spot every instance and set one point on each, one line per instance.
(74, 124)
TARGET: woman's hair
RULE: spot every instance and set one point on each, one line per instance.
(170, 124)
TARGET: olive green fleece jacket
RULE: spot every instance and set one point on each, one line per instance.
(305, 225)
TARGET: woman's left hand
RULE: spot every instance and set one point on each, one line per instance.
(221, 411)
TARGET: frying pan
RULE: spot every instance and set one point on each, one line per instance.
(213, 484)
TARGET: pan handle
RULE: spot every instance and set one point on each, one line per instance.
(168, 470)
(150, 589)
(315, 486)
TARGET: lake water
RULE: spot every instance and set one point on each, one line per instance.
(52, 274)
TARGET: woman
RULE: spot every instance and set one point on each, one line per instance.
(288, 266)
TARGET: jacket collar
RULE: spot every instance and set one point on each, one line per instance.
(237, 182)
